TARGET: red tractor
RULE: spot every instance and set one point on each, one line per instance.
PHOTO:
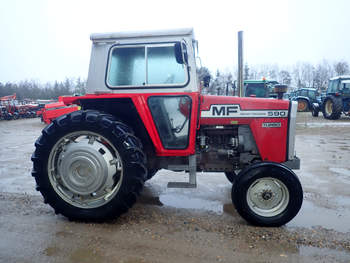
(144, 112)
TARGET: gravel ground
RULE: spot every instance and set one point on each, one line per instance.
(182, 225)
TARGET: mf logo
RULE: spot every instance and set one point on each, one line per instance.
(224, 110)
(234, 111)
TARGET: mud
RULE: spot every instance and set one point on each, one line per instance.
(182, 225)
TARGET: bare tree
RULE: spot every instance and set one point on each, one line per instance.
(323, 73)
(246, 72)
(284, 77)
(341, 68)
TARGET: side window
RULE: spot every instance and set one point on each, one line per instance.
(312, 94)
(346, 88)
(146, 65)
(171, 116)
(303, 93)
(127, 67)
(162, 66)
(332, 88)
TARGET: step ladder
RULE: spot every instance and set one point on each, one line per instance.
(191, 168)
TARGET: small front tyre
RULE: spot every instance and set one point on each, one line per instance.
(315, 110)
(267, 194)
(231, 177)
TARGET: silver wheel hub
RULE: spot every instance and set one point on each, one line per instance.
(85, 169)
(267, 197)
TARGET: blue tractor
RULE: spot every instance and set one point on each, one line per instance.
(305, 97)
(337, 98)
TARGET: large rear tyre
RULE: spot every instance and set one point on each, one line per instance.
(332, 107)
(88, 166)
(151, 173)
(267, 194)
(303, 105)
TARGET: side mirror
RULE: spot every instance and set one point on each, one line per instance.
(181, 53)
(206, 80)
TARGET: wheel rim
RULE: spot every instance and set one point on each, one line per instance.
(85, 169)
(268, 197)
(301, 105)
(329, 107)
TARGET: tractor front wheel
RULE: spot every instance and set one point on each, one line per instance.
(315, 110)
(267, 194)
(89, 166)
(231, 176)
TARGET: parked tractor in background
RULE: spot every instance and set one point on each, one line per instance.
(263, 89)
(305, 97)
(144, 112)
(336, 100)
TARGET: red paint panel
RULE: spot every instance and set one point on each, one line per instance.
(50, 115)
(271, 142)
(245, 103)
(140, 102)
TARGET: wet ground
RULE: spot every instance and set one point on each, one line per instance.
(182, 225)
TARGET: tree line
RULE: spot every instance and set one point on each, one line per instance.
(35, 90)
(300, 75)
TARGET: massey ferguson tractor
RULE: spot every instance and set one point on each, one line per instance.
(144, 112)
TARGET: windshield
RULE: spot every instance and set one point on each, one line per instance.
(312, 94)
(257, 89)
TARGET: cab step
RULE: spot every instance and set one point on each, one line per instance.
(192, 178)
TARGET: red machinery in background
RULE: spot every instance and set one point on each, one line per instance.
(52, 111)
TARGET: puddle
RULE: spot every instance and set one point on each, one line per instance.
(324, 254)
(343, 201)
(311, 216)
(323, 124)
(181, 201)
(342, 171)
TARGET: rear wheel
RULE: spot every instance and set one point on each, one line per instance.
(332, 107)
(303, 105)
(151, 173)
(267, 194)
(88, 166)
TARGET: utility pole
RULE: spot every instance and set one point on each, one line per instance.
(240, 63)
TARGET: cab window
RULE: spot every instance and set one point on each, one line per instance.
(145, 65)
(171, 115)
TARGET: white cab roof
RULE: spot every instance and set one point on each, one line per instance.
(141, 34)
(341, 77)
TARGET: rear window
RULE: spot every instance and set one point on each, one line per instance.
(146, 65)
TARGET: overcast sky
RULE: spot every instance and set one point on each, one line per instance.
(49, 40)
